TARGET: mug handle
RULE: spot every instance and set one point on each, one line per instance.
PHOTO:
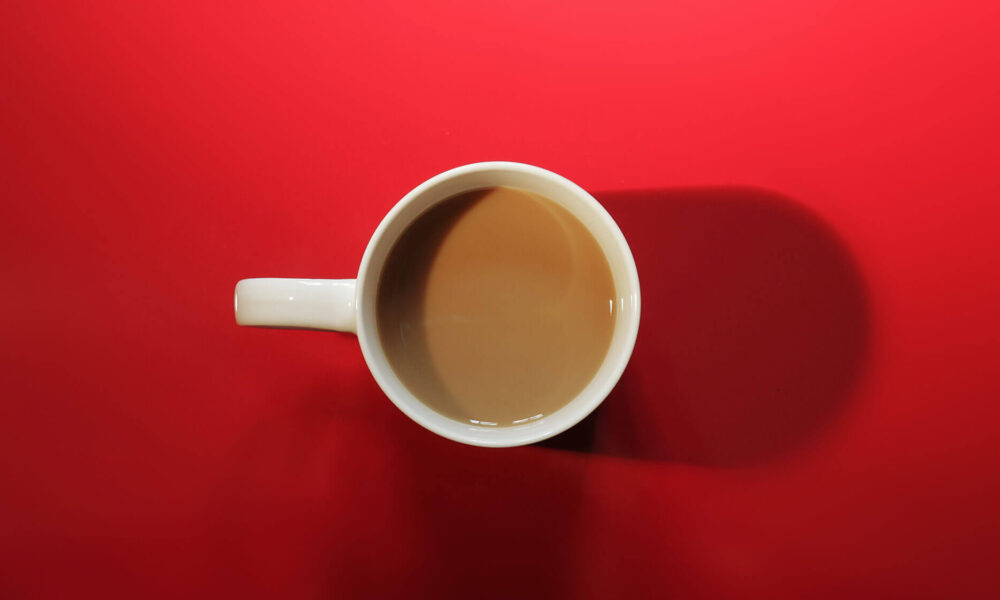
(325, 304)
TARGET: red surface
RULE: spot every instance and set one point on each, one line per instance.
(810, 189)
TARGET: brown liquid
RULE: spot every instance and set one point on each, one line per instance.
(496, 307)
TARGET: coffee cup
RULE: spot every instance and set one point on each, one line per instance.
(350, 305)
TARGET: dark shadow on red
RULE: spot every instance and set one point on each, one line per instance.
(755, 327)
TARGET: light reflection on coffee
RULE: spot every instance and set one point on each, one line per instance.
(496, 307)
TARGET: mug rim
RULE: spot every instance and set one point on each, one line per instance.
(468, 433)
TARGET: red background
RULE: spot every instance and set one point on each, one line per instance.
(810, 191)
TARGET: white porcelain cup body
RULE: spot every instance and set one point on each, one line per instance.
(349, 304)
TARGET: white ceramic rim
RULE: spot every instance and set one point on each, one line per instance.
(600, 223)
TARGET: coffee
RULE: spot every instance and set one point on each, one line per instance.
(496, 307)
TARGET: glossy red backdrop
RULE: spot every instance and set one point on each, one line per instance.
(810, 190)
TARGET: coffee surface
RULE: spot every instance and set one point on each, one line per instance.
(496, 307)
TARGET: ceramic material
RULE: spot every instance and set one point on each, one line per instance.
(349, 305)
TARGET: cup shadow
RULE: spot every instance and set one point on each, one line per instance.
(755, 328)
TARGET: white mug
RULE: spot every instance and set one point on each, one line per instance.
(349, 304)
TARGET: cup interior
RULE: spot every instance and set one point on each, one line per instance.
(557, 189)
